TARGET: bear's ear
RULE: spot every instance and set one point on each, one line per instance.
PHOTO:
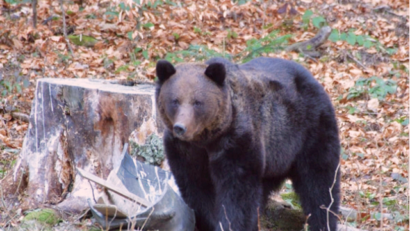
(164, 70)
(216, 72)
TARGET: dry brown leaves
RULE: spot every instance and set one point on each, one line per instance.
(374, 138)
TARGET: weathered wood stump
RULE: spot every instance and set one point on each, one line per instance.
(76, 123)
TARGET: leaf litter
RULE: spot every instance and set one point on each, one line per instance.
(364, 69)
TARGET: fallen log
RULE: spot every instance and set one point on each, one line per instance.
(309, 47)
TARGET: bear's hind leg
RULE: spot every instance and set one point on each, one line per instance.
(312, 186)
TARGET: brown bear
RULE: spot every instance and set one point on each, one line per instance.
(234, 133)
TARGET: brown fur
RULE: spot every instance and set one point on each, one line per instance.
(234, 133)
(194, 85)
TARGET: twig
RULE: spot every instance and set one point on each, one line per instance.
(387, 10)
(109, 186)
(5, 127)
(34, 6)
(380, 188)
(20, 181)
(65, 29)
(7, 210)
(331, 196)
(146, 219)
(112, 219)
(92, 191)
(356, 61)
(306, 225)
(226, 216)
(2, 198)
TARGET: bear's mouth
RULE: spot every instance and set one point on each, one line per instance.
(183, 137)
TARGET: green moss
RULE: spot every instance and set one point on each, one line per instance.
(152, 151)
(44, 216)
(93, 228)
(83, 40)
(293, 199)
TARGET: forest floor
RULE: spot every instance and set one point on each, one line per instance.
(364, 66)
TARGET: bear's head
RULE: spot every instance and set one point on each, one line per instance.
(193, 99)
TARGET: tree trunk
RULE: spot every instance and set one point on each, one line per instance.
(76, 123)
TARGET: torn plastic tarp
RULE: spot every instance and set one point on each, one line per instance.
(165, 211)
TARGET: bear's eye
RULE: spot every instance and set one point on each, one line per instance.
(175, 102)
(197, 103)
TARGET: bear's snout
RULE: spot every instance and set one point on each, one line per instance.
(179, 129)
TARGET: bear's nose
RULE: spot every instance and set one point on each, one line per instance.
(179, 129)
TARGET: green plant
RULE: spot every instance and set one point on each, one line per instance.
(63, 58)
(108, 63)
(13, 84)
(90, 16)
(241, 2)
(356, 91)
(367, 195)
(373, 86)
(145, 54)
(7, 164)
(293, 199)
(403, 120)
(352, 110)
(112, 12)
(197, 30)
(137, 50)
(176, 36)
(317, 21)
(124, 7)
(231, 34)
(122, 68)
(351, 38)
(154, 4)
(365, 41)
(148, 25)
(18, 1)
(343, 154)
(382, 88)
(268, 44)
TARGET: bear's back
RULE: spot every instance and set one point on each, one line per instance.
(293, 104)
(287, 73)
(288, 80)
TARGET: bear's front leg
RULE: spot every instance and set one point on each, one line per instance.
(236, 174)
(189, 165)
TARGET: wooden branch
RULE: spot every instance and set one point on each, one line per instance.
(309, 47)
(65, 29)
(356, 61)
(34, 6)
(20, 116)
(107, 185)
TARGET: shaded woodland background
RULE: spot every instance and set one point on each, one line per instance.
(364, 66)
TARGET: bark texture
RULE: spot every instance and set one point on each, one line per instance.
(76, 123)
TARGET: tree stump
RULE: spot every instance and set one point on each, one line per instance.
(76, 123)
